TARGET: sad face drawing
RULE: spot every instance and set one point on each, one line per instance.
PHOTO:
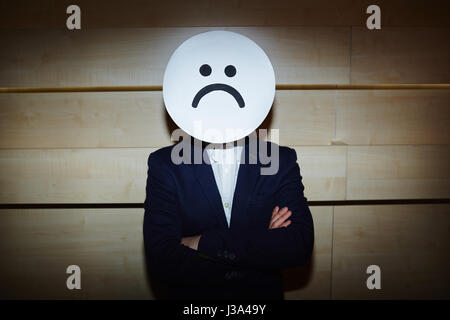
(218, 86)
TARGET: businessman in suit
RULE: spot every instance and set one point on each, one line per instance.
(191, 247)
(223, 227)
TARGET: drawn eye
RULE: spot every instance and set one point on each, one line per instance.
(205, 70)
(230, 71)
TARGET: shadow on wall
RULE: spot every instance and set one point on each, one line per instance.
(299, 277)
(170, 125)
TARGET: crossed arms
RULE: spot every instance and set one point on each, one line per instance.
(284, 243)
(279, 219)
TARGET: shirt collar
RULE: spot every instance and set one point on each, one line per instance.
(220, 154)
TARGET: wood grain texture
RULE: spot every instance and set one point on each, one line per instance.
(313, 280)
(73, 175)
(400, 55)
(393, 117)
(139, 119)
(324, 171)
(84, 120)
(310, 86)
(398, 172)
(303, 118)
(104, 57)
(92, 148)
(135, 13)
(409, 243)
(39, 244)
(299, 54)
(120, 175)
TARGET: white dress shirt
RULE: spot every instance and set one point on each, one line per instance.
(225, 164)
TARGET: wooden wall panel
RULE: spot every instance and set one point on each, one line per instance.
(299, 55)
(393, 117)
(84, 120)
(400, 55)
(73, 175)
(135, 13)
(120, 175)
(409, 243)
(139, 56)
(41, 243)
(313, 281)
(398, 172)
(139, 119)
(107, 244)
(84, 148)
(324, 171)
(303, 117)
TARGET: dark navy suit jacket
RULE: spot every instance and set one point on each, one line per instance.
(240, 261)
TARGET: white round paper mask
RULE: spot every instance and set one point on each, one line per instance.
(218, 86)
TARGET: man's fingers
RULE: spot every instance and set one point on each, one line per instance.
(191, 242)
(279, 214)
(286, 224)
(281, 219)
(275, 211)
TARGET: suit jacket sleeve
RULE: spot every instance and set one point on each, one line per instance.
(167, 258)
(275, 248)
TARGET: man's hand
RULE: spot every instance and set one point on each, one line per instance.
(279, 218)
(191, 242)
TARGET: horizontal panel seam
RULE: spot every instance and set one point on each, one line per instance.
(141, 205)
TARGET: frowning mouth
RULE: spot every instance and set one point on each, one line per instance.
(218, 87)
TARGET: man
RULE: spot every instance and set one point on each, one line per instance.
(215, 228)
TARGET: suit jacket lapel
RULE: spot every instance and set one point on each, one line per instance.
(246, 181)
(205, 177)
